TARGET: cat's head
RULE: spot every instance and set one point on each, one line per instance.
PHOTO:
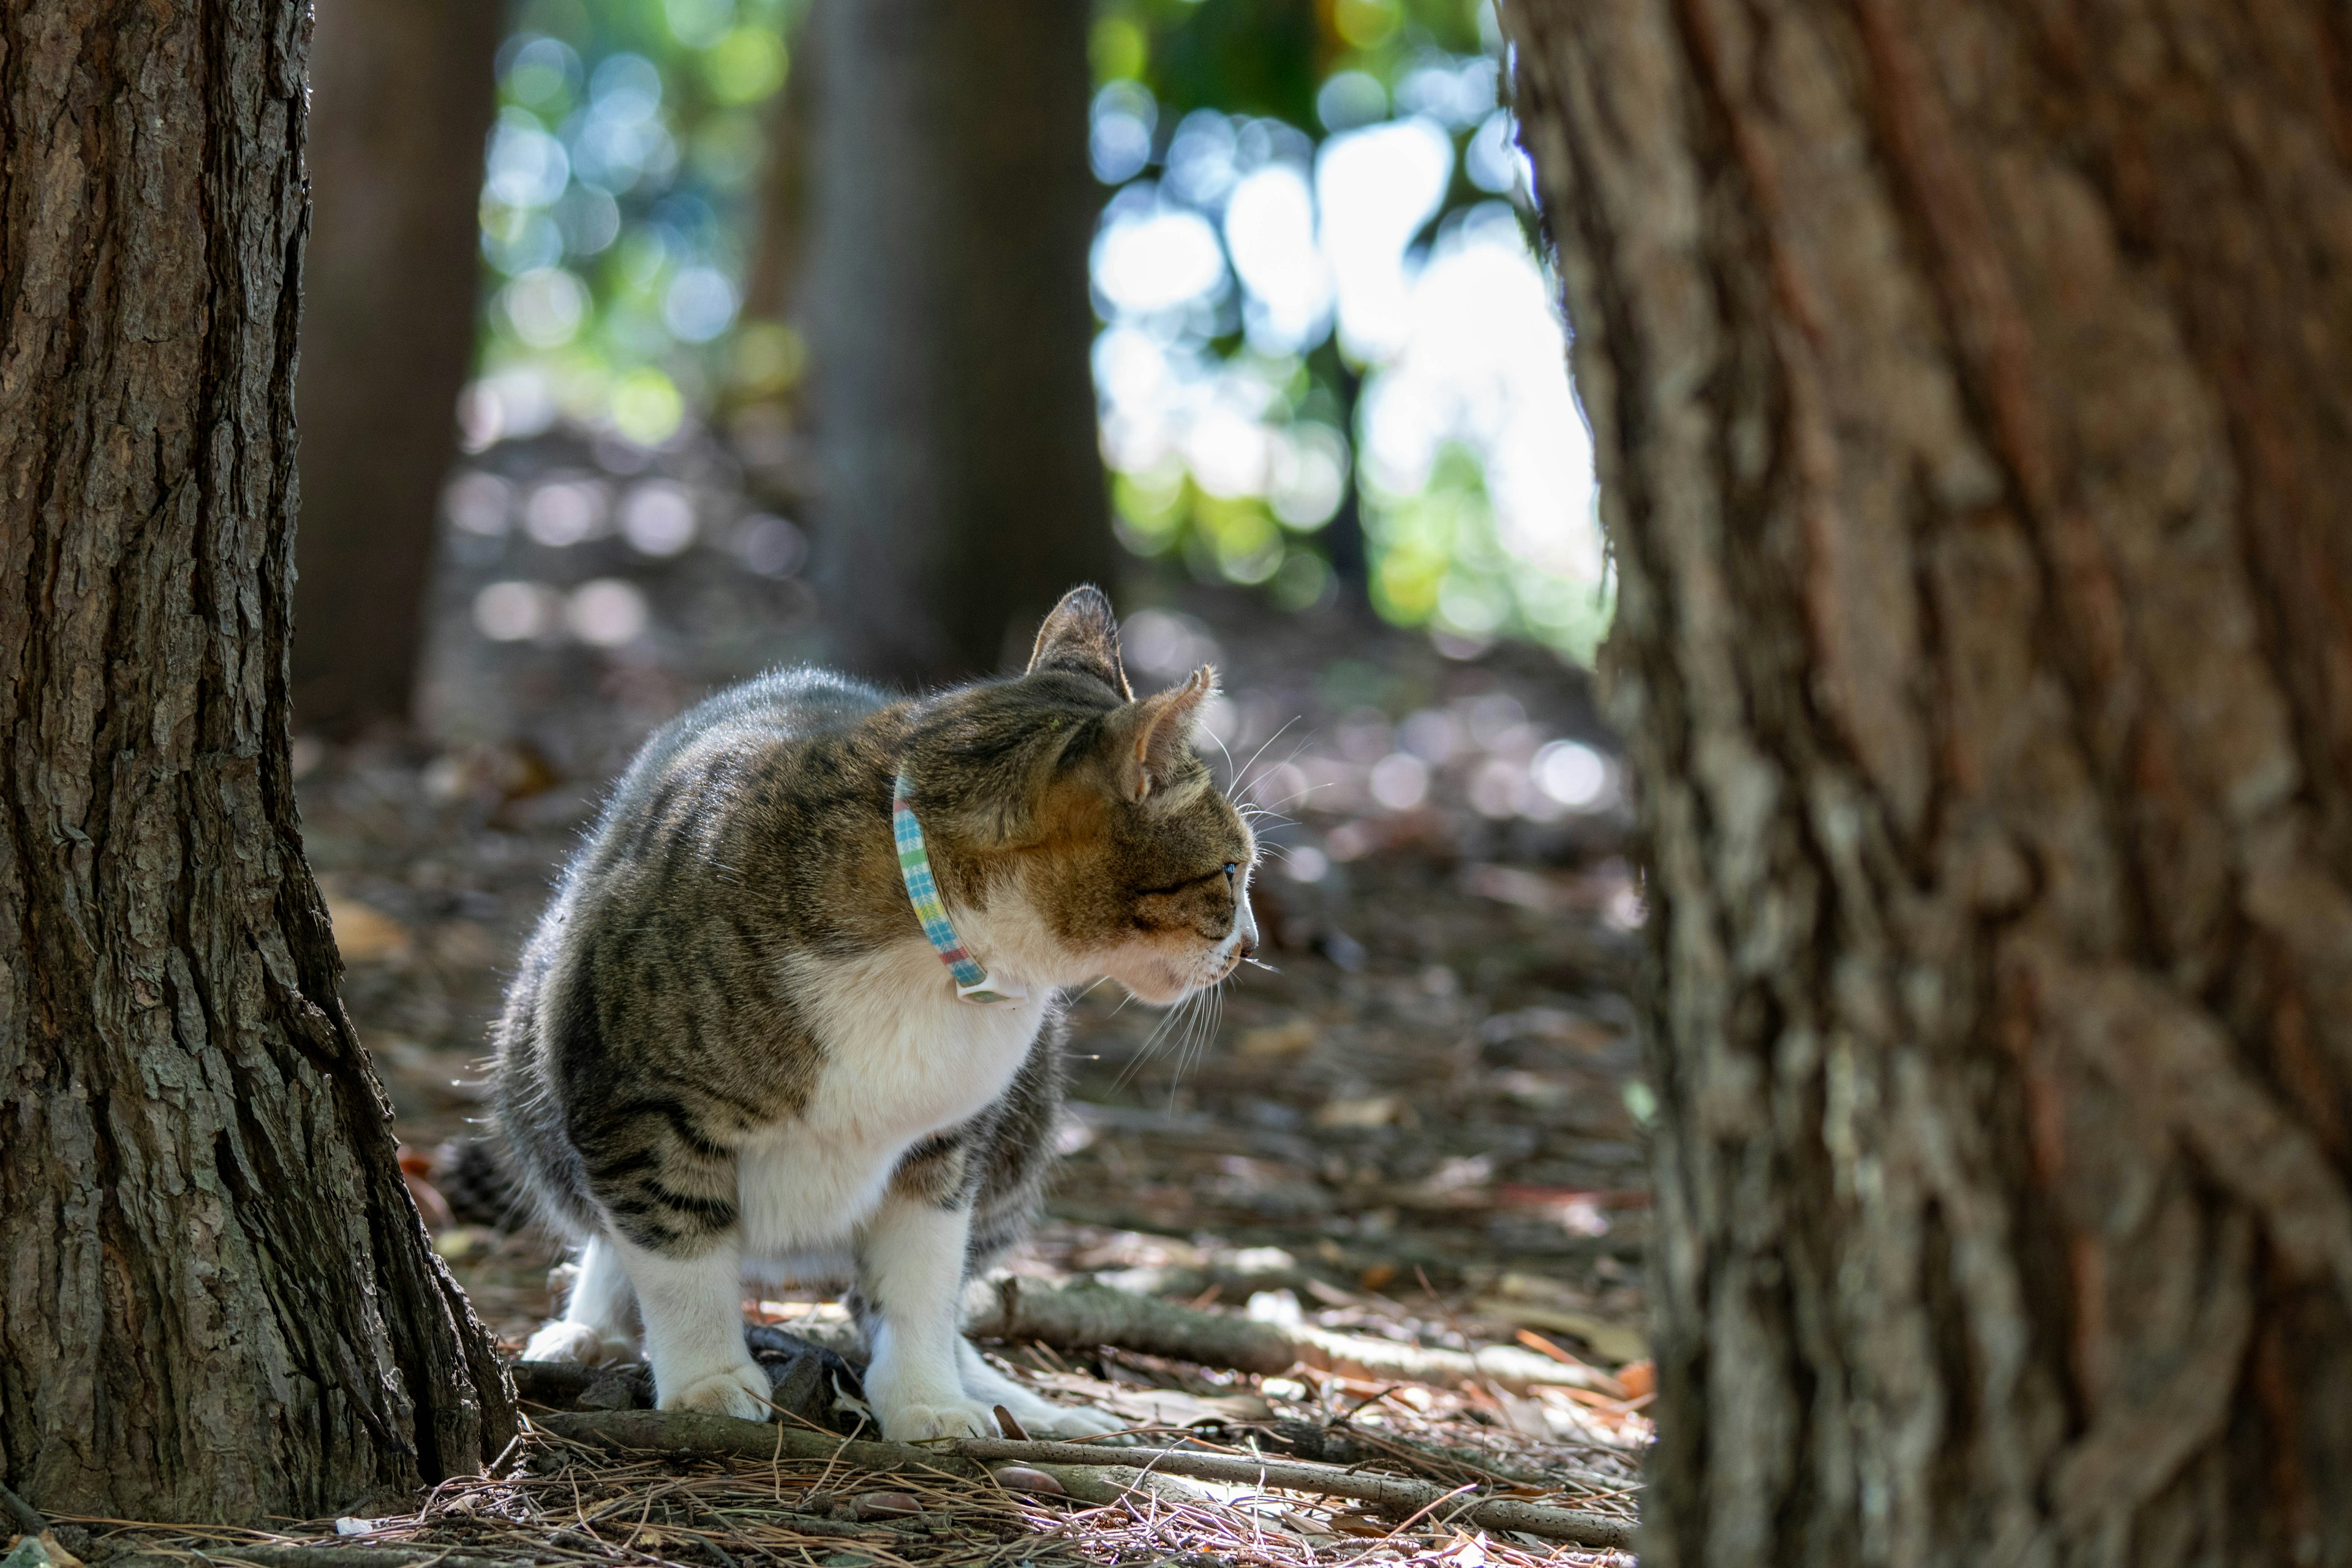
(1091, 804)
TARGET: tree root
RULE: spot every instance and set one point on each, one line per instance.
(27, 1518)
(1086, 1472)
(320, 1556)
(1087, 1316)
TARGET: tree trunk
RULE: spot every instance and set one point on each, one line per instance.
(216, 1301)
(1972, 391)
(401, 101)
(779, 240)
(950, 327)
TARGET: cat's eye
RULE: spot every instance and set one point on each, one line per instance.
(1231, 867)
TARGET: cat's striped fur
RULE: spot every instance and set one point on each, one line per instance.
(728, 1044)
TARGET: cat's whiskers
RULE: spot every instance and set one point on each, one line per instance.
(1202, 1031)
(1295, 794)
(1152, 1042)
(1241, 784)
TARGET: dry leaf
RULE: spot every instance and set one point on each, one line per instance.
(429, 1201)
(363, 936)
(1023, 1478)
(1378, 1110)
(883, 1505)
(1281, 1040)
(1613, 1343)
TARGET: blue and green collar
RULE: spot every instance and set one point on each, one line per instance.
(971, 981)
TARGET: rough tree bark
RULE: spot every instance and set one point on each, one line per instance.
(949, 328)
(401, 100)
(217, 1299)
(1972, 388)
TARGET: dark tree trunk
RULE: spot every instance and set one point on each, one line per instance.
(1972, 388)
(949, 328)
(401, 101)
(779, 244)
(216, 1301)
(1343, 537)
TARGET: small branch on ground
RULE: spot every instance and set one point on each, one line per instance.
(1104, 1473)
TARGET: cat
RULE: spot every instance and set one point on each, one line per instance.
(796, 1005)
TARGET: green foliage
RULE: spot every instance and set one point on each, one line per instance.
(1439, 562)
(630, 138)
(1432, 557)
(618, 205)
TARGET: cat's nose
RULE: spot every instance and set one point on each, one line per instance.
(1247, 920)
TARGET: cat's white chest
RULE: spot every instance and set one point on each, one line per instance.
(903, 1059)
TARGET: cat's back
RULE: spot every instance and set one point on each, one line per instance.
(791, 742)
(780, 712)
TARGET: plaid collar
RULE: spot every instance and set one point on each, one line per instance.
(972, 982)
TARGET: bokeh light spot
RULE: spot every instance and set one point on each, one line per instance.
(564, 512)
(1399, 781)
(516, 612)
(1349, 100)
(1366, 24)
(646, 407)
(607, 613)
(746, 66)
(1117, 48)
(1119, 128)
(658, 518)
(699, 304)
(770, 546)
(1572, 773)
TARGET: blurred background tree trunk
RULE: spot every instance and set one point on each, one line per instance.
(949, 328)
(780, 239)
(1972, 390)
(400, 104)
(218, 1302)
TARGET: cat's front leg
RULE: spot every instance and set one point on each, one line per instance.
(910, 1274)
(693, 1312)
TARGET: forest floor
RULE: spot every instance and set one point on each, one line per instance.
(1421, 1125)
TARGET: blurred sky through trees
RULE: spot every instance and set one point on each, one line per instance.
(1319, 305)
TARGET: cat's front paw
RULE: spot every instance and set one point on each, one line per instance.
(738, 1391)
(1071, 1421)
(578, 1343)
(916, 1420)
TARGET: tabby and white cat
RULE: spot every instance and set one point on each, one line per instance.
(744, 1033)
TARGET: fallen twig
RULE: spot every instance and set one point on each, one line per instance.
(1076, 1466)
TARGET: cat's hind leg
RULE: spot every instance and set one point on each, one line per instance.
(1038, 1416)
(599, 1321)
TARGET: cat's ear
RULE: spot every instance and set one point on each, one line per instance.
(1150, 738)
(1082, 636)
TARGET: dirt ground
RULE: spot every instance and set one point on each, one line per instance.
(1421, 1122)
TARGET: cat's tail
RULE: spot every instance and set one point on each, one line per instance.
(476, 1176)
